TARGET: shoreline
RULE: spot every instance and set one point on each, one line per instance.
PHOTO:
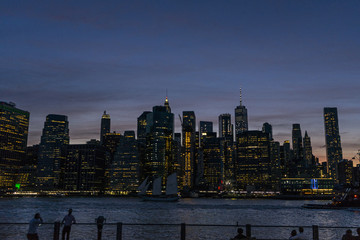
(274, 197)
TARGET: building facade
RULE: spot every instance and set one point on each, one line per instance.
(14, 124)
(333, 142)
(54, 138)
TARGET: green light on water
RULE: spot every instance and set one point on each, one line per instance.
(17, 185)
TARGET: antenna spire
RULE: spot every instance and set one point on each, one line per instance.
(240, 98)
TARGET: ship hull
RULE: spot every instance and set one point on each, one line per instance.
(160, 198)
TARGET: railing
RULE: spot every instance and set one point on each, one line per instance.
(183, 228)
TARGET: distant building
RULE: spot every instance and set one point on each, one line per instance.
(333, 143)
(189, 138)
(105, 126)
(297, 143)
(159, 140)
(14, 124)
(205, 127)
(212, 162)
(55, 137)
(84, 167)
(267, 128)
(124, 171)
(308, 156)
(141, 127)
(27, 177)
(345, 172)
(241, 118)
(225, 127)
(285, 158)
(110, 142)
(253, 164)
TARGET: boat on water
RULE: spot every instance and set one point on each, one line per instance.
(171, 194)
(348, 199)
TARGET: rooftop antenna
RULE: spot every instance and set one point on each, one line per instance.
(240, 98)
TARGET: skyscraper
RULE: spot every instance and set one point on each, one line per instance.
(225, 127)
(205, 127)
(213, 168)
(159, 140)
(84, 167)
(141, 127)
(267, 128)
(105, 126)
(188, 132)
(54, 138)
(14, 124)
(241, 118)
(333, 143)
(253, 160)
(297, 142)
(308, 156)
(124, 172)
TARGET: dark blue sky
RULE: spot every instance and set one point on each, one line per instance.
(291, 58)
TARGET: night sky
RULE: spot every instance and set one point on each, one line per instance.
(79, 58)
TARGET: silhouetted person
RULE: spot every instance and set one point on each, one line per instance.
(358, 236)
(33, 226)
(300, 235)
(68, 221)
(348, 235)
(240, 235)
(292, 235)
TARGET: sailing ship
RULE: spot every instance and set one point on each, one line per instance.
(171, 194)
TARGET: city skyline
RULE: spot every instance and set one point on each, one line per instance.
(291, 59)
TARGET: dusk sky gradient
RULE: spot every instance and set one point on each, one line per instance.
(79, 58)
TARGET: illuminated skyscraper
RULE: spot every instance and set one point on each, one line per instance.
(213, 167)
(308, 156)
(241, 118)
(253, 160)
(297, 143)
(141, 139)
(141, 127)
(54, 138)
(14, 124)
(159, 140)
(124, 172)
(105, 126)
(110, 142)
(205, 127)
(188, 131)
(333, 143)
(84, 167)
(225, 127)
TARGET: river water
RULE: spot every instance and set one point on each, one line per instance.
(189, 211)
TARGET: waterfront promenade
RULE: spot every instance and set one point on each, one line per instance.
(204, 218)
(120, 228)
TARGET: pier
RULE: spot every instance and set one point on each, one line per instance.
(180, 230)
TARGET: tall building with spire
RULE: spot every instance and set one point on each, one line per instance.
(241, 118)
(333, 143)
(105, 126)
(308, 156)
